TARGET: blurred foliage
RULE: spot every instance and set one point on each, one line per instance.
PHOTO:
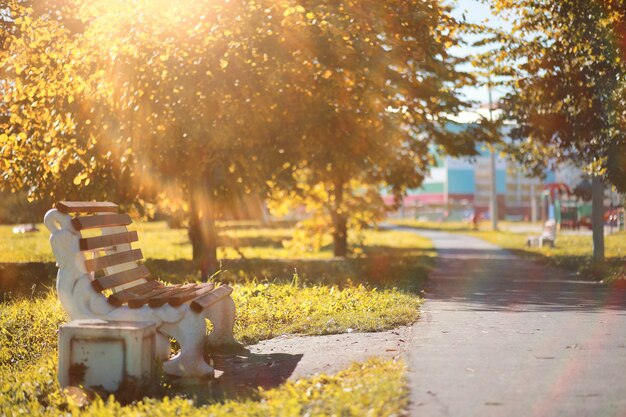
(564, 65)
(196, 106)
(16, 208)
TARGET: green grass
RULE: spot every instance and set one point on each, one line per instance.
(28, 325)
(157, 241)
(28, 355)
(382, 258)
(373, 388)
(28, 351)
(267, 310)
(456, 226)
(376, 289)
(419, 224)
(572, 252)
(26, 247)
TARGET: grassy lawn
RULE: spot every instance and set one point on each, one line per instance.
(572, 252)
(374, 291)
(378, 288)
(28, 384)
(445, 226)
(373, 388)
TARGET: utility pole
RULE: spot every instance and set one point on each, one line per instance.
(493, 200)
(597, 217)
(533, 202)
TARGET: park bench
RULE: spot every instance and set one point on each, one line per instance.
(99, 278)
(548, 236)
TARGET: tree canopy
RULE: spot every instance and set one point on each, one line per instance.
(193, 104)
(565, 65)
(379, 97)
(567, 74)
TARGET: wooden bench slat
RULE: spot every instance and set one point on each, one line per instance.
(120, 278)
(120, 298)
(97, 242)
(102, 220)
(143, 299)
(211, 298)
(162, 299)
(179, 299)
(67, 207)
(97, 264)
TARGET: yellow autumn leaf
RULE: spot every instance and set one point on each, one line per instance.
(223, 63)
(79, 178)
(327, 74)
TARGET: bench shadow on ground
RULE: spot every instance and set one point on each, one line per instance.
(483, 279)
(239, 375)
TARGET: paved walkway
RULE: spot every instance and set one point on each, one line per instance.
(503, 336)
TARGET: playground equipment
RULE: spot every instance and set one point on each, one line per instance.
(560, 204)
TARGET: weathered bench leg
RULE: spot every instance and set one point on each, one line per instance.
(189, 333)
(222, 316)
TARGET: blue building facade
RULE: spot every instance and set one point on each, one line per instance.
(457, 187)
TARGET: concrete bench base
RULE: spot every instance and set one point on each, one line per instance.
(539, 241)
(99, 353)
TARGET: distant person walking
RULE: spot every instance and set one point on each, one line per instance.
(475, 218)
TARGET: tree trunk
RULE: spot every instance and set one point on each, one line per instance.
(340, 223)
(340, 235)
(203, 233)
(597, 217)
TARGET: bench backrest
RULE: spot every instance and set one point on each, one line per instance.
(113, 262)
(549, 230)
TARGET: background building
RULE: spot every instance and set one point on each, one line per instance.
(458, 187)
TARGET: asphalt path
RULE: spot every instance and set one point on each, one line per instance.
(501, 335)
